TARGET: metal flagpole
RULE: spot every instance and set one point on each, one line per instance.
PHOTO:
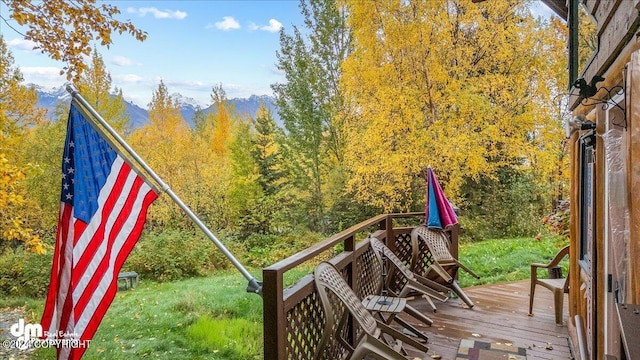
(254, 286)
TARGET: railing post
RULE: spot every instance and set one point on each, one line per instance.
(391, 239)
(455, 231)
(350, 245)
(273, 315)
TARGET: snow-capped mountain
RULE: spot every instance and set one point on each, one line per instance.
(188, 107)
(49, 98)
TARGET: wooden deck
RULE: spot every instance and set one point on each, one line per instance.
(499, 315)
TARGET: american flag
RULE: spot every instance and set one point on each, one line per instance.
(103, 207)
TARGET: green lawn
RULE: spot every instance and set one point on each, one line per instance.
(200, 318)
(214, 318)
(503, 260)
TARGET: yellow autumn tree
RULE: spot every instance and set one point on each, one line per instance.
(549, 157)
(18, 114)
(18, 111)
(161, 143)
(456, 85)
(12, 225)
(222, 124)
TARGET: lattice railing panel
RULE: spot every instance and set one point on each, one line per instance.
(300, 329)
(305, 325)
(404, 251)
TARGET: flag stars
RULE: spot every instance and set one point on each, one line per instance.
(69, 197)
(67, 160)
(71, 170)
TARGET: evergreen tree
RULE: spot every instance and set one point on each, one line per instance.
(199, 122)
(264, 151)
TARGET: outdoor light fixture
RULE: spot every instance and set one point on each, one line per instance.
(579, 122)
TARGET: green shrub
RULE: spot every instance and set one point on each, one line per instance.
(25, 274)
(173, 254)
(510, 205)
(261, 250)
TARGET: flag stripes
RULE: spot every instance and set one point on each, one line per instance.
(103, 209)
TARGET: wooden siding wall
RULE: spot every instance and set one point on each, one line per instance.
(633, 185)
(617, 28)
(617, 25)
(618, 32)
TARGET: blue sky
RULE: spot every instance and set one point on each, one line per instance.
(191, 45)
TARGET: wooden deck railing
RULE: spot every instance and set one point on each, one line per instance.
(293, 317)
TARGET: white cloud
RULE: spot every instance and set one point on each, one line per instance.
(158, 14)
(22, 44)
(274, 26)
(122, 61)
(128, 78)
(188, 84)
(253, 26)
(46, 76)
(228, 23)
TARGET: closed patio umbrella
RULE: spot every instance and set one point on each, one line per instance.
(439, 213)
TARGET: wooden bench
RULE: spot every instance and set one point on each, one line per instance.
(127, 280)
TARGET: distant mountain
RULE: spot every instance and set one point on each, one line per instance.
(49, 99)
(250, 106)
(244, 106)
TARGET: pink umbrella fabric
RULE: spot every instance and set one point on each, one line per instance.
(439, 213)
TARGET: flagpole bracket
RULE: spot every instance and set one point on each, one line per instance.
(255, 287)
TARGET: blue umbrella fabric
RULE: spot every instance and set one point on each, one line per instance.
(439, 213)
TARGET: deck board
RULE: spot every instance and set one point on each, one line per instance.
(499, 315)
